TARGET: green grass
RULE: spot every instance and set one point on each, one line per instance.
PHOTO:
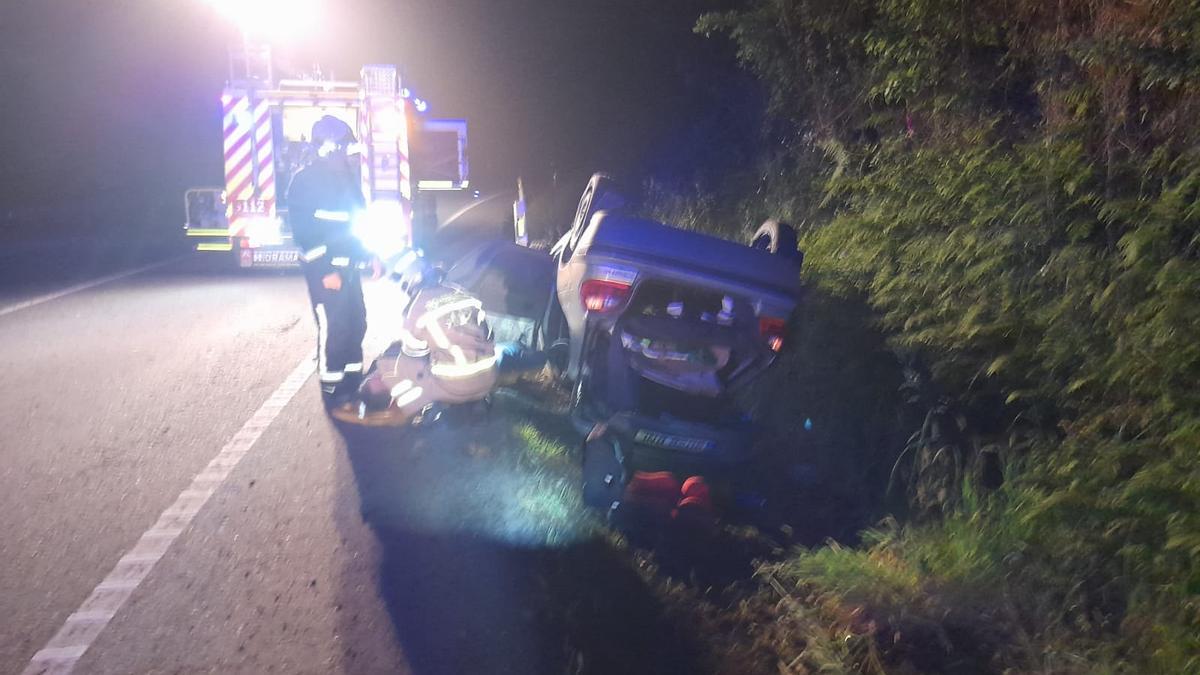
(985, 591)
(537, 444)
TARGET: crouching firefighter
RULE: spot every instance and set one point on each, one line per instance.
(323, 198)
(445, 355)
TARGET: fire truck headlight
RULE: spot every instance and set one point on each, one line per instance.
(380, 229)
(264, 231)
(388, 121)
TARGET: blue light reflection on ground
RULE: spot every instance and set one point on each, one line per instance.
(493, 478)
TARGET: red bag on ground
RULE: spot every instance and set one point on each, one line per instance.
(697, 487)
(695, 507)
(657, 490)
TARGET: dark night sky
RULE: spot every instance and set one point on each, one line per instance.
(119, 97)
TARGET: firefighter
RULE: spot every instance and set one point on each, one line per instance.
(445, 355)
(323, 199)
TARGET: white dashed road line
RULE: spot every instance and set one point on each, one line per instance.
(82, 627)
(82, 287)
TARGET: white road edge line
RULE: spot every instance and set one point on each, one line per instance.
(84, 625)
(466, 209)
(26, 304)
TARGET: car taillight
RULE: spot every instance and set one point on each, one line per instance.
(603, 295)
(772, 330)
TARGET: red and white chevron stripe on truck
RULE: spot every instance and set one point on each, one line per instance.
(249, 159)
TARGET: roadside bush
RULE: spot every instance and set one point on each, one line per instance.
(1011, 190)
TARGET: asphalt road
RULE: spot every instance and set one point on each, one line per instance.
(172, 498)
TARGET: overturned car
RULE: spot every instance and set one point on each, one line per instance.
(655, 327)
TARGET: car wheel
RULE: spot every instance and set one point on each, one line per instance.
(602, 192)
(777, 238)
(558, 355)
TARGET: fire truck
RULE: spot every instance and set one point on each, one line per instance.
(405, 159)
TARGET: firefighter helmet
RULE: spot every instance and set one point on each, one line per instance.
(330, 129)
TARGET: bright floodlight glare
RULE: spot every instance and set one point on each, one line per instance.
(388, 121)
(379, 229)
(275, 19)
(264, 231)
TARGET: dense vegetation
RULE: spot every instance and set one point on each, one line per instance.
(1012, 188)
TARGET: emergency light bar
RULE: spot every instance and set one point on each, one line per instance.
(321, 85)
(432, 185)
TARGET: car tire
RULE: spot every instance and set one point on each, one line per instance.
(777, 238)
(558, 357)
(601, 187)
(603, 475)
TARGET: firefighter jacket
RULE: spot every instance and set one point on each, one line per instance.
(322, 204)
(449, 326)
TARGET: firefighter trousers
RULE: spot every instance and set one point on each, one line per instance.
(341, 325)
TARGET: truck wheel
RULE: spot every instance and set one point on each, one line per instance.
(603, 475)
(778, 238)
